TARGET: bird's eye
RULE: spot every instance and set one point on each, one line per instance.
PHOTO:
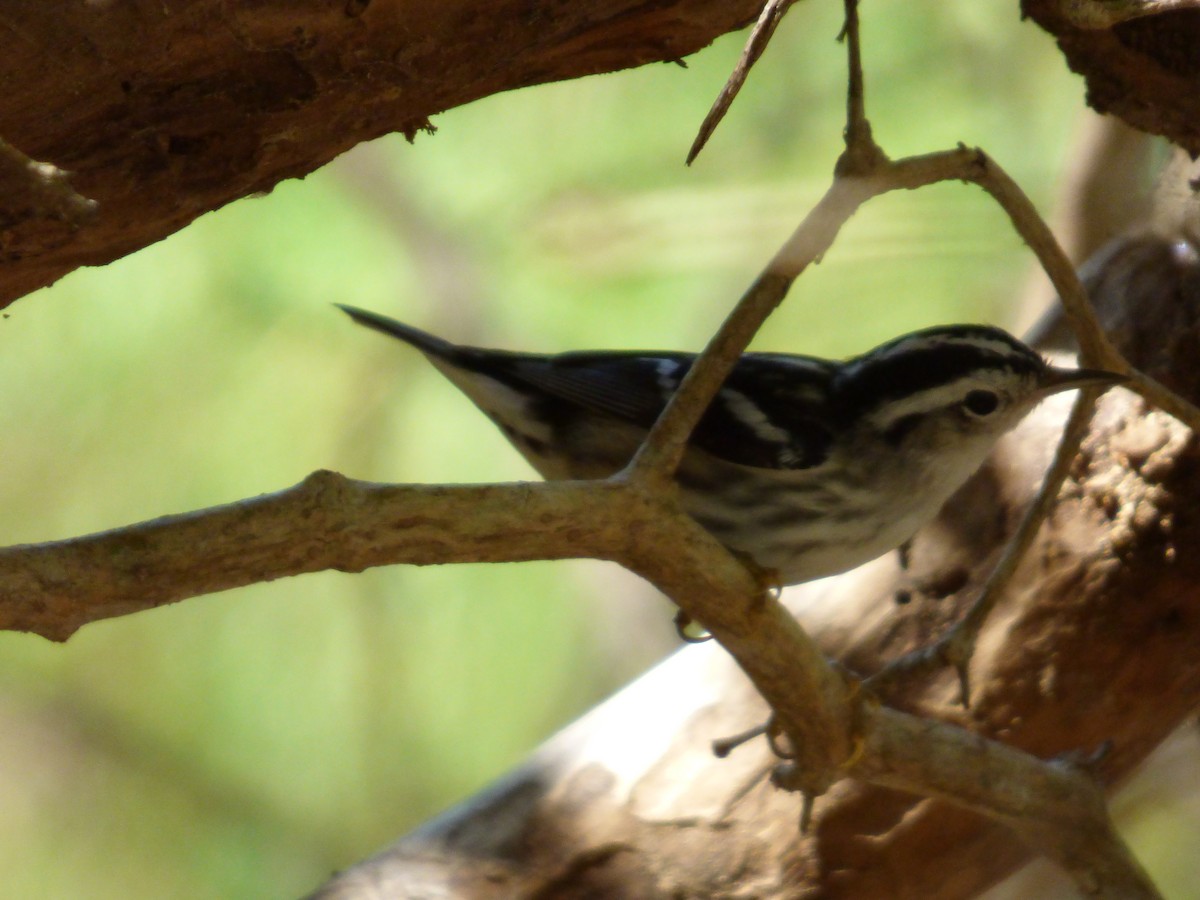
(981, 403)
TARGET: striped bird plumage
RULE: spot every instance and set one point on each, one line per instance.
(809, 466)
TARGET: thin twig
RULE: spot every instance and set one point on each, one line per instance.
(1094, 346)
(724, 746)
(764, 29)
(661, 451)
(664, 447)
(862, 153)
(956, 647)
(856, 110)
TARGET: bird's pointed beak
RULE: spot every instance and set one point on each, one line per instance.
(1057, 379)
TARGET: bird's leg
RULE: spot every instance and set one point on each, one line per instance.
(904, 593)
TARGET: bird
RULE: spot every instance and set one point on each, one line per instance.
(809, 467)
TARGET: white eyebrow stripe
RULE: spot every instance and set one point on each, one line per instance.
(926, 342)
(931, 398)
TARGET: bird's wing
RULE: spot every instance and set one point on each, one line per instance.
(770, 413)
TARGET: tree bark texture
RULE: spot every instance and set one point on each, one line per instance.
(1094, 647)
(161, 110)
(124, 121)
(1140, 59)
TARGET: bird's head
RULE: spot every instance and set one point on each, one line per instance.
(951, 392)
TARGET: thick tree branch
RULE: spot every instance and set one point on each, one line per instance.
(329, 521)
(35, 192)
(1096, 14)
(325, 522)
(163, 112)
(1057, 809)
(1139, 58)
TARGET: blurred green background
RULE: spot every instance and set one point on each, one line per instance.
(250, 743)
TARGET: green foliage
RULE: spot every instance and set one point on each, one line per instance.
(247, 744)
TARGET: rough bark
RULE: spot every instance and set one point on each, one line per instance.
(1140, 58)
(1093, 647)
(153, 113)
(160, 111)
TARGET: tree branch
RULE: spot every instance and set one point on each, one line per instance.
(1056, 809)
(1099, 14)
(325, 522)
(162, 114)
(764, 29)
(1138, 57)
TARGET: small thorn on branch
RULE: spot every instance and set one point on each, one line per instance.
(722, 747)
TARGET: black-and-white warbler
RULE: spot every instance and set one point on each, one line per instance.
(810, 467)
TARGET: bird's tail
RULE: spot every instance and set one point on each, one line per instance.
(423, 341)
